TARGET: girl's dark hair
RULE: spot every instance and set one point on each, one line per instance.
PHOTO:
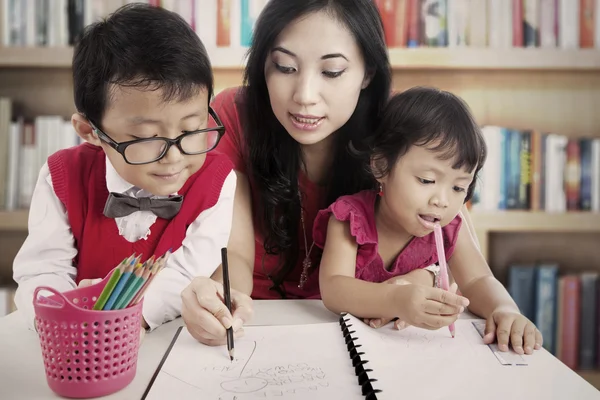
(274, 157)
(420, 116)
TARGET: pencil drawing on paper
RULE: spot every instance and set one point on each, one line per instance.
(264, 381)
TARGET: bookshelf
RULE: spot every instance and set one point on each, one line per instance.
(551, 90)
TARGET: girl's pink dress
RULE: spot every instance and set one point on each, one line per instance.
(359, 210)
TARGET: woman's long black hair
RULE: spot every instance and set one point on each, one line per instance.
(274, 157)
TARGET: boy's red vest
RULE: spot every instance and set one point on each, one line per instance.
(79, 180)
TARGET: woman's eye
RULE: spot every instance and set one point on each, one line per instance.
(283, 69)
(333, 74)
(425, 181)
(458, 189)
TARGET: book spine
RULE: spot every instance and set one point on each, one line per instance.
(521, 287)
(587, 334)
(517, 15)
(531, 23)
(524, 201)
(570, 319)
(414, 23)
(401, 23)
(573, 175)
(545, 304)
(587, 21)
(596, 175)
(585, 197)
(223, 23)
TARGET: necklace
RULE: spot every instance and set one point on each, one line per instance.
(306, 264)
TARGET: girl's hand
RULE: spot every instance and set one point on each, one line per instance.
(428, 307)
(509, 326)
(379, 322)
(418, 276)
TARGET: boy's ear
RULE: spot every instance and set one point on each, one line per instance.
(84, 129)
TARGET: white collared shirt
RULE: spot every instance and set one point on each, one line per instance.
(45, 259)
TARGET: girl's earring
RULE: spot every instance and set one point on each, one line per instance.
(380, 190)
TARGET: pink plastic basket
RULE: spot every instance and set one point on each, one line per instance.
(87, 353)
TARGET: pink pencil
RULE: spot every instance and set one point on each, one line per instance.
(444, 280)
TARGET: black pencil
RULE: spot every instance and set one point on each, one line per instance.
(227, 291)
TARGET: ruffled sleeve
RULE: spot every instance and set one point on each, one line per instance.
(358, 210)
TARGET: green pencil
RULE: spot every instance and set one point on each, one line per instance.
(110, 285)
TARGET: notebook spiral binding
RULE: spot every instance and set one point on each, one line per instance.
(362, 373)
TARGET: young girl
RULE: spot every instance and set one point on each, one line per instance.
(425, 157)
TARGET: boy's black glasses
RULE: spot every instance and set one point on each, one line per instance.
(149, 150)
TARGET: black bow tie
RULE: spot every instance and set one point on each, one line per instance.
(119, 205)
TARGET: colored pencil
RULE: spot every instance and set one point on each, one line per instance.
(139, 284)
(122, 300)
(444, 280)
(120, 285)
(110, 285)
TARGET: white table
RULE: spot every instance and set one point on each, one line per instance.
(22, 370)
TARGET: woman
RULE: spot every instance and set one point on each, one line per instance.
(317, 76)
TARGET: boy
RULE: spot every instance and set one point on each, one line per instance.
(146, 180)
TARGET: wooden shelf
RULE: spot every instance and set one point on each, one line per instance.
(13, 220)
(497, 59)
(61, 57)
(529, 221)
(415, 59)
(592, 376)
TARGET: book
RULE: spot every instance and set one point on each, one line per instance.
(346, 359)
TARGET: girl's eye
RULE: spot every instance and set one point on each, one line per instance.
(425, 181)
(458, 189)
(285, 70)
(333, 74)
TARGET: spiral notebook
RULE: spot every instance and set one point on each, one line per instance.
(339, 360)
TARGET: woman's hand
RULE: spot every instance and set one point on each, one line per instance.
(509, 326)
(206, 315)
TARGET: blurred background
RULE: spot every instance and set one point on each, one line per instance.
(529, 70)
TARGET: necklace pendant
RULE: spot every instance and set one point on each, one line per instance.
(306, 264)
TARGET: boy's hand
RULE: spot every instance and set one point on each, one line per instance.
(510, 326)
(206, 315)
(88, 282)
(428, 307)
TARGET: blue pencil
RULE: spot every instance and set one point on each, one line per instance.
(127, 272)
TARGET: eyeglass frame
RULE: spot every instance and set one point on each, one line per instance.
(122, 146)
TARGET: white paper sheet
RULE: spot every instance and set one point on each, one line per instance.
(425, 363)
(290, 362)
